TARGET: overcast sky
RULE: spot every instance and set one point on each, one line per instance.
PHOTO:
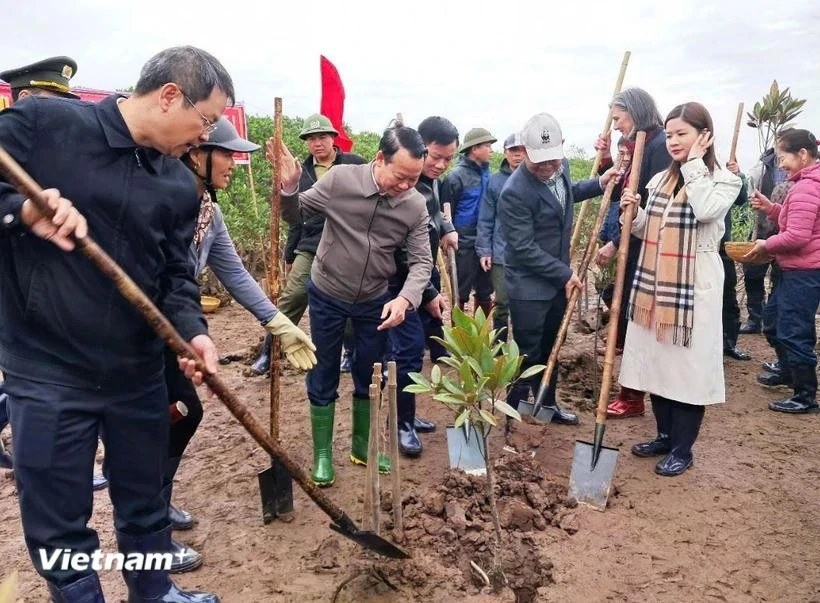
(476, 63)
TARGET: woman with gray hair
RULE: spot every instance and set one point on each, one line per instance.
(633, 110)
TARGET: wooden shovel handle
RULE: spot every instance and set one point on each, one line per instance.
(129, 290)
(552, 360)
(615, 308)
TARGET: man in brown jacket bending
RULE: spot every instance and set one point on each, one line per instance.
(370, 210)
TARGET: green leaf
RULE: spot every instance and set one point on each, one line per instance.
(449, 398)
(420, 379)
(475, 366)
(508, 410)
(451, 386)
(435, 374)
(450, 361)
(467, 381)
(415, 388)
(460, 320)
(488, 417)
(465, 414)
(532, 371)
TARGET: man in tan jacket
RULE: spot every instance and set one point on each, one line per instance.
(370, 211)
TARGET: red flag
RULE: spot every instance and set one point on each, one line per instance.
(333, 101)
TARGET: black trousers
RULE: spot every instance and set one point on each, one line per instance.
(535, 327)
(731, 310)
(55, 440)
(180, 388)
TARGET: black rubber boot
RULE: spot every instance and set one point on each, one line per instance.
(149, 586)
(85, 590)
(262, 364)
(685, 426)
(661, 445)
(804, 399)
(180, 520)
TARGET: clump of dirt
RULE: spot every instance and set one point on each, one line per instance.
(580, 373)
(450, 525)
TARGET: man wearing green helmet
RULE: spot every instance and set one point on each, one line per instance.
(303, 238)
(463, 189)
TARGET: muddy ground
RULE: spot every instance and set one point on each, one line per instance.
(742, 525)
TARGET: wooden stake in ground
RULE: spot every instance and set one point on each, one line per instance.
(372, 497)
(275, 487)
(252, 187)
(582, 213)
(392, 401)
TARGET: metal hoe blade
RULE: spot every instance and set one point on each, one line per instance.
(588, 484)
(372, 541)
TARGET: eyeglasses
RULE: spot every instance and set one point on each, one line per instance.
(207, 124)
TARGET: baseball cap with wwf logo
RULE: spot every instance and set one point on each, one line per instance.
(542, 138)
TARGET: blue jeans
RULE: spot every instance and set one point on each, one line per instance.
(793, 305)
(407, 349)
(327, 327)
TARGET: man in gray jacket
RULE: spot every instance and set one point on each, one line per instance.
(374, 211)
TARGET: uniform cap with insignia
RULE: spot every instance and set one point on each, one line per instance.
(317, 124)
(51, 74)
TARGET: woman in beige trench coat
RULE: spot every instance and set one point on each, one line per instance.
(673, 347)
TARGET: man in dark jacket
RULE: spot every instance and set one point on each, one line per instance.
(489, 244)
(78, 358)
(303, 238)
(462, 191)
(407, 340)
(535, 208)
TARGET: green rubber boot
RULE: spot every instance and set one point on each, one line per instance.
(321, 421)
(361, 436)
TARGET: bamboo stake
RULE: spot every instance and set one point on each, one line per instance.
(392, 400)
(576, 233)
(552, 359)
(736, 135)
(253, 186)
(372, 499)
(273, 279)
(447, 210)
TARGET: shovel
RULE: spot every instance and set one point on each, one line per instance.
(275, 486)
(537, 409)
(343, 524)
(593, 464)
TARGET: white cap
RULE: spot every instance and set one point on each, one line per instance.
(542, 138)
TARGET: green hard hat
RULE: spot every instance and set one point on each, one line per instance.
(317, 124)
(476, 136)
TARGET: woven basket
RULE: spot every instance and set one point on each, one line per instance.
(738, 249)
(209, 304)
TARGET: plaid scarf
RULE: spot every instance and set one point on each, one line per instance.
(663, 292)
(206, 214)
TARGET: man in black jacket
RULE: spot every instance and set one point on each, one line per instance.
(407, 340)
(303, 239)
(78, 358)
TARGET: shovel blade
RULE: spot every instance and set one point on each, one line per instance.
(544, 413)
(372, 542)
(591, 486)
(276, 490)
